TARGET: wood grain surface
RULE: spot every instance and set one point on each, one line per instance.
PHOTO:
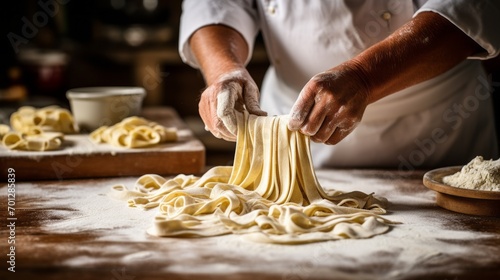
(80, 158)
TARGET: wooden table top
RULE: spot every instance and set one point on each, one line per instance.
(71, 229)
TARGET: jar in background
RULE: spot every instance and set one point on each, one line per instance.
(45, 72)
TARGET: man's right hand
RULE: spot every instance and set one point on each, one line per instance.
(221, 53)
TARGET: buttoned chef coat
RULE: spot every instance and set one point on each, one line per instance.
(447, 120)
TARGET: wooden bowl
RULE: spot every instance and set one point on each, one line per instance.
(466, 201)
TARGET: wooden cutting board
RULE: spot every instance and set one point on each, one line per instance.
(80, 158)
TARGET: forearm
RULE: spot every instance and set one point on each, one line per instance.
(425, 47)
(218, 49)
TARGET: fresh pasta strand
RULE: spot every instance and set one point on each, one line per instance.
(271, 194)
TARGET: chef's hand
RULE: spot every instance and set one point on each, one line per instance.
(221, 52)
(331, 104)
(232, 91)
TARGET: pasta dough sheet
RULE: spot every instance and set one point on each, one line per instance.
(271, 194)
(134, 132)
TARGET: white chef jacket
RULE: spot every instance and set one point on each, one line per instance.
(443, 121)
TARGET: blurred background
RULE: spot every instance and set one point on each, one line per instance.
(50, 46)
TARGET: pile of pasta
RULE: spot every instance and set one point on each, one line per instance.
(134, 132)
(37, 129)
(271, 194)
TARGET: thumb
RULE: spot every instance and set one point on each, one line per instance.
(226, 100)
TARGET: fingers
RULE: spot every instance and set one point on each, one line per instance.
(314, 121)
(207, 108)
(328, 108)
(332, 132)
(219, 130)
(233, 91)
(226, 101)
(251, 100)
(327, 124)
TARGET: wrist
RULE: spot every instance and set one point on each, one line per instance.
(219, 71)
(361, 78)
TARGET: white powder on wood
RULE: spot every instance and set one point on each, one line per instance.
(478, 174)
(429, 240)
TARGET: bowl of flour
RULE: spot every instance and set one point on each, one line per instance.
(478, 174)
(470, 189)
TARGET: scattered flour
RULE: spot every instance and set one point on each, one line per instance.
(428, 240)
(479, 174)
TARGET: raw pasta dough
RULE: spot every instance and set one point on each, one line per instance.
(134, 132)
(47, 119)
(270, 195)
(44, 141)
(38, 129)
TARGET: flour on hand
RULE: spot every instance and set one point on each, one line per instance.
(478, 174)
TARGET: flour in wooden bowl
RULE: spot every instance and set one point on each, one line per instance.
(478, 174)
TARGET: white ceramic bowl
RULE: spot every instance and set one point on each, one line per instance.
(94, 107)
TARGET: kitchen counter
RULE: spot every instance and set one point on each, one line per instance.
(72, 229)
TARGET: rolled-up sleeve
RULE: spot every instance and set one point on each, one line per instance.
(240, 15)
(478, 19)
